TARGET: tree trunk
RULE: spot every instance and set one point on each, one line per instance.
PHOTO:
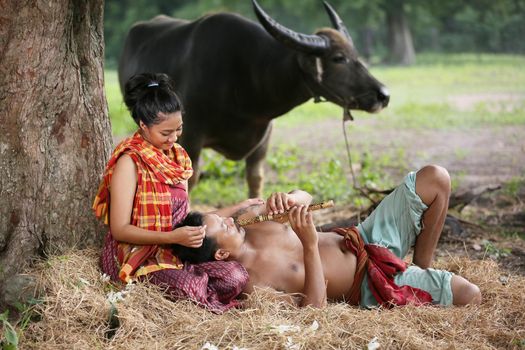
(400, 46)
(56, 136)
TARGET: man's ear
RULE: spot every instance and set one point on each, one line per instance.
(221, 254)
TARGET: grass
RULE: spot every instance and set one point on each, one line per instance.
(421, 93)
(121, 121)
(78, 304)
(425, 96)
(512, 187)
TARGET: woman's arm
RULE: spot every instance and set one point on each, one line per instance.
(122, 194)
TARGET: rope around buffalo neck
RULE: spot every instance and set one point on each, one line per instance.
(365, 192)
(354, 179)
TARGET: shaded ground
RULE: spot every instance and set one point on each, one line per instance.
(487, 165)
(474, 157)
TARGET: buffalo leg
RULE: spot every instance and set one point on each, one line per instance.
(254, 166)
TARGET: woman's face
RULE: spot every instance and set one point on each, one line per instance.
(164, 134)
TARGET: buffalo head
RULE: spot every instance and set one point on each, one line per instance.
(330, 64)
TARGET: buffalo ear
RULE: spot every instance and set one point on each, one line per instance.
(312, 66)
(221, 254)
(307, 64)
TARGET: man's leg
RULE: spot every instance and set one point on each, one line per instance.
(445, 288)
(464, 292)
(433, 187)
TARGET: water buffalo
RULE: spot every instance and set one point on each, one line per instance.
(234, 76)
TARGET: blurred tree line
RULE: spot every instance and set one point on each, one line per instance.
(389, 31)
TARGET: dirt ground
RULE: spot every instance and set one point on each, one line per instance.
(489, 220)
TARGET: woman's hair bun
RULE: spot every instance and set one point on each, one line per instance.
(147, 94)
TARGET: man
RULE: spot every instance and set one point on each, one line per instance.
(359, 265)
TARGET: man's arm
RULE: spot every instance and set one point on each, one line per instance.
(278, 202)
(241, 208)
(314, 283)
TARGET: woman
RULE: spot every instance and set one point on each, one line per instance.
(143, 196)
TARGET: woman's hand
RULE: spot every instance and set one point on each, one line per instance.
(302, 223)
(189, 236)
(279, 202)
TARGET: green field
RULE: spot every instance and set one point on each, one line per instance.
(426, 96)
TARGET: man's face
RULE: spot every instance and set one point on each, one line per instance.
(225, 231)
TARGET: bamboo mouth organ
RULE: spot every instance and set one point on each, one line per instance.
(269, 217)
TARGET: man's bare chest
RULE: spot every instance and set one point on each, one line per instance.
(279, 268)
(279, 263)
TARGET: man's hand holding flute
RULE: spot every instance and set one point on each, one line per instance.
(279, 204)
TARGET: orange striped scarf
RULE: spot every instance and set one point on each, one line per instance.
(156, 172)
(355, 243)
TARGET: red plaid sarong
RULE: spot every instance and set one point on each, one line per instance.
(213, 285)
(381, 265)
(157, 174)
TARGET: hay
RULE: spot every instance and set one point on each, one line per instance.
(75, 315)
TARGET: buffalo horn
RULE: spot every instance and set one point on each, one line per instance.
(313, 44)
(337, 22)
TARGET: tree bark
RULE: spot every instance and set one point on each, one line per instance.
(56, 136)
(400, 45)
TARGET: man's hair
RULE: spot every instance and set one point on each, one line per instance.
(206, 252)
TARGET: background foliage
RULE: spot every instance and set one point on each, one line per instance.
(436, 25)
(451, 39)
(424, 98)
